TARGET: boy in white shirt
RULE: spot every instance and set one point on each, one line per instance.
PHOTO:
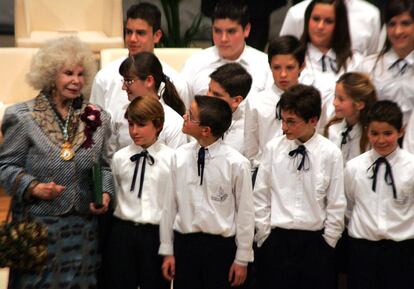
(230, 28)
(286, 60)
(208, 222)
(143, 176)
(379, 187)
(231, 82)
(299, 199)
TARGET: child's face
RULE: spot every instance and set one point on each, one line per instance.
(139, 36)
(228, 37)
(143, 134)
(400, 31)
(345, 106)
(383, 137)
(285, 69)
(216, 90)
(295, 127)
(322, 25)
(191, 125)
(136, 87)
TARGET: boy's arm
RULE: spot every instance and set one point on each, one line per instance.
(336, 202)
(245, 214)
(262, 198)
(349, 193)
(169, 213)
(251, 133)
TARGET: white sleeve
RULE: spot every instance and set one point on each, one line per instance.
(290, 25)
(374, 40)
(262, 198)
(336, 202)
(245, 213)
(349, 193)
(98, 91)
(251, 133)
(408, 141)
(169, 213)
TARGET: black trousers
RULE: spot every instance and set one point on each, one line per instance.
(203, 261)
(131, 257)
(291, 259)
(381, 264)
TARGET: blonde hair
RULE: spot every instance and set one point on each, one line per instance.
(57, 53)
(146, 108)
(359, 88)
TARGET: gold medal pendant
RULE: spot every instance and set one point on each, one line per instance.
(67, 152)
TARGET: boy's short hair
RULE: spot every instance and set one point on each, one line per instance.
(234, 79)
(235, 10)
(386, 111)
(147, 12)
(284, 45)
(214, 113)
(146, 108)
(303, 100)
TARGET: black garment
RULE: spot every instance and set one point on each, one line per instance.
(295, 259)
(131, 257)
(381, 264)
(203, 261)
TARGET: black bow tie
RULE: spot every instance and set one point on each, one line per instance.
(200, 163)
(345, 134)
(135, 158)
(301, 150)
(388, 177)
(332, 64)
(402, 68)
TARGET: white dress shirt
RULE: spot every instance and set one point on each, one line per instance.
(261, 124)
(310, 199)
(378, 215)
(325, 81)
(170, 135)
(107, 86)
(408, 141)
(351, 148)
(159, 182)
(364, 24)
(234, 136)
(222, 205)
(200, 65)
(390, 83)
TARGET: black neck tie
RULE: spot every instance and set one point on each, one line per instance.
(301, 150)
(200, 163)
(135, 158)
(345, 134)
(402, 68)
(324, 63)
(388, 177)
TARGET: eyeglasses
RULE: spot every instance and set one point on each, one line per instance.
(128, 82)
(290, 123)
(190, 117)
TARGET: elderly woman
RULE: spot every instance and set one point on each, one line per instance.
(50, 145)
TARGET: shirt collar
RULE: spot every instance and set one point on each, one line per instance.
(277, 90)
(391, 57)
(316, 55)
(239, 112)
(152, 149)
(242, 58)
(212, 150)
(310, 143)
(391, 158)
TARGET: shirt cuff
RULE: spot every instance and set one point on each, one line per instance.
(166, 250)
(331, 241)
(244, 255)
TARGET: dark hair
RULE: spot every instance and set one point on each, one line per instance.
(303, 100)
(233, 78)
(386, 111)
(146, 108)
(147, 12)
(358, 87)
(235, 10)
(214, 113)
(284, 45)
(341, 39)
(391, 9)
(144, 64)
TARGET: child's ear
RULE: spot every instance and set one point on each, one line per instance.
(150, 81)
(313, 121)
(359, 105)
(236, 102)
(206, 131)
(246, 30)
(401, 132)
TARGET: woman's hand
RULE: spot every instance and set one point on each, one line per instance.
(98, 210)
(47, 191)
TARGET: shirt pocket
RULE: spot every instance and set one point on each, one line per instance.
(405, 196)
(321, 186)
